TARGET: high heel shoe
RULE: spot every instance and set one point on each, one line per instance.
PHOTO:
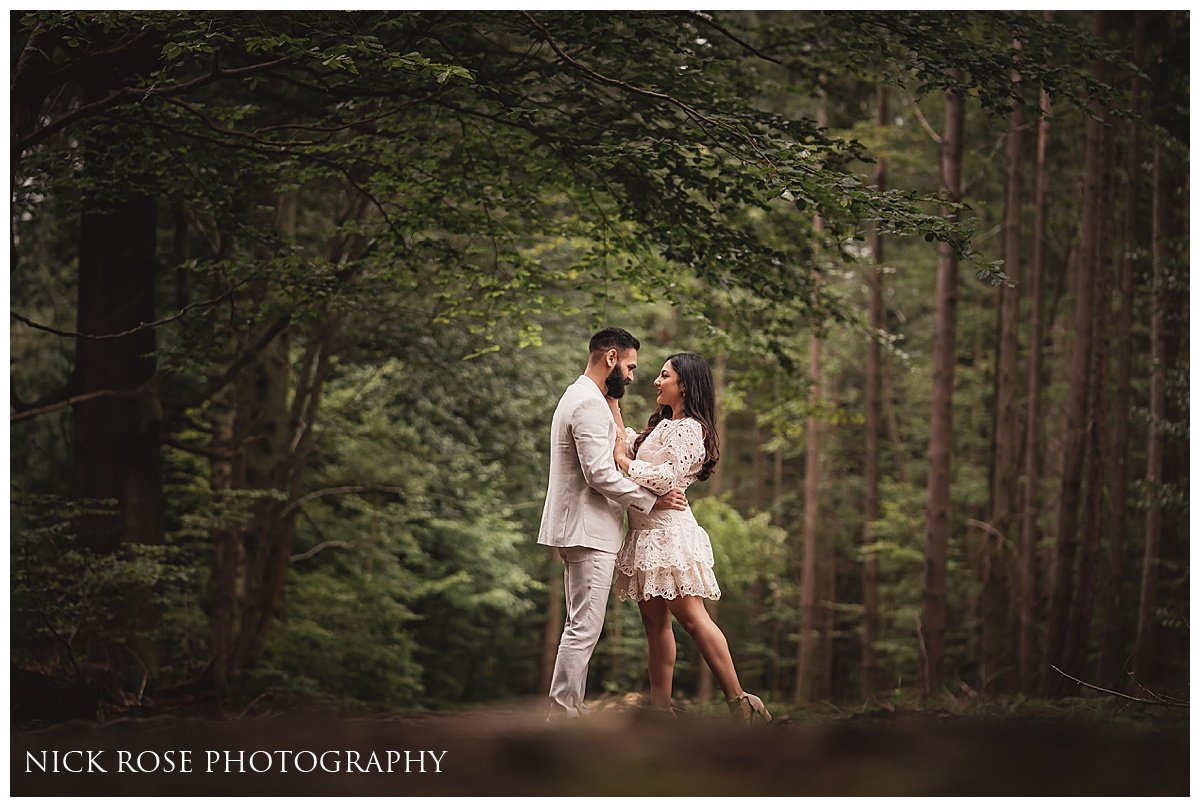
(746, 706)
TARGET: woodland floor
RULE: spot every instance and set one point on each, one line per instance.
(1098, 750)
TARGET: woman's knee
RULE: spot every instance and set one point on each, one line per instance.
(655, 616)
(690, 613)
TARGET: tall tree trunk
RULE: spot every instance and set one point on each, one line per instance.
(806, 656)
(941, 421)
(870, 565)
(1144, 640)
(1111, 640)
(116, 440)
(704, 677)
(824, 678)
(758, 497)
(811, 559)
(1083, 602)
(226, 475)
(995, 654)
(263, 415)
(1074, 431)
(1027, 589)
(899, 448)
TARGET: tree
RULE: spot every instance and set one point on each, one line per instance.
(1119, 453)
(1063, 587)
(941, 419)
(994, 656)
(1144, 639)
(870, 566)
(1027, 573)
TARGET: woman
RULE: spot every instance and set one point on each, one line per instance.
(666, 562)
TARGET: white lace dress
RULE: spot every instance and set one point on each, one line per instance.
(666, 553)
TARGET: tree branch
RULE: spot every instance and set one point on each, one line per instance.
(319, 548)
(1168, 701)
(141, 327)
(1118, 694)
(710, 22)
(130, 94)
(316, 494)
(74, 399)
(929, 130)
(687, 110)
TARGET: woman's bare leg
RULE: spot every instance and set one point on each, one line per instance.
(660, 640)
(709, 638)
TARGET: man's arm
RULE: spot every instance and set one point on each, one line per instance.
(589, 428)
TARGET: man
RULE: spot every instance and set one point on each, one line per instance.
(585, 507)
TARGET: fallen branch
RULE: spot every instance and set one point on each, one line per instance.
(1112, 692)
(1166, 700)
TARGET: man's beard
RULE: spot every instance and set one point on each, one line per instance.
(615, 384)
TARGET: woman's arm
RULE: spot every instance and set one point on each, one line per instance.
(684, 451)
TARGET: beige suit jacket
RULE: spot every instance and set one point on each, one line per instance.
(587, 495)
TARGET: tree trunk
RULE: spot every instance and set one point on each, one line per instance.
(1083, 602)
(806, 656)
(1111, 640)
(810, 562)
(704, 677)
(1027, 588)
(941, 428)
(116, 440)
(870, 565)
(1144, 640)
(1063, 588)
(995, 653)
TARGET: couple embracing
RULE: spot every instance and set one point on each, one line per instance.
(598, 470)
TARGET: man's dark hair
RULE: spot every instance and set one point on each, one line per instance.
(609, 338)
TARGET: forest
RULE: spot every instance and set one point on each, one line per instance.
(293, 297)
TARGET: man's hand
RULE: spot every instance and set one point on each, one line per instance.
(614, 405)
(672, 500)
(620, 454)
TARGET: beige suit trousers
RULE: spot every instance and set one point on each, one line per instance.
(587, 579)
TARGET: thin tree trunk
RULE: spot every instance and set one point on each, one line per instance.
(1066, 542)
(870, 565)
(1083, 602)
(1119, 469)
(941, 428)
(806, 656)
(995, 653)
(1026, 579)
(1144, 640)
(809, 582)
(758, 497)
(704, 677)
(893, 426)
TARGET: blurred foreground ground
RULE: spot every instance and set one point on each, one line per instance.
(623, 750)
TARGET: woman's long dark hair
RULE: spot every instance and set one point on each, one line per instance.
(699, 402)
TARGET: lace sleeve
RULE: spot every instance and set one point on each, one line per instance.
(684, 448)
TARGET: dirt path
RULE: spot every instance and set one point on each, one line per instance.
(512, 751)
